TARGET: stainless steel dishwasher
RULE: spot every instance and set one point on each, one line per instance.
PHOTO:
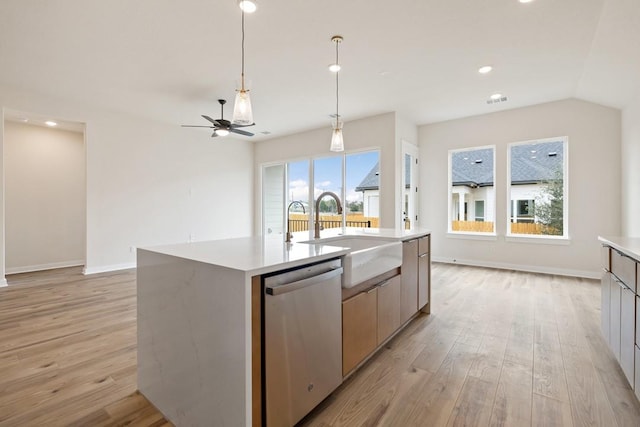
(303, 340)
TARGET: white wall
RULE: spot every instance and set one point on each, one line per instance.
(150, 182)
(631, 169)
(594, 184)
(44, 197)
(377, 132)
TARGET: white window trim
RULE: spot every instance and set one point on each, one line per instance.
(528, 238)
(467, 234)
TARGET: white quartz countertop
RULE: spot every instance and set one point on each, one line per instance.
(263, 254)
(627, 245)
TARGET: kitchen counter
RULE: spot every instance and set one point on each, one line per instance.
(196, 324)
(627, 245)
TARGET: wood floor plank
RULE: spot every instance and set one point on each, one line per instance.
(513, 400)
(474, 404)
(550, 412)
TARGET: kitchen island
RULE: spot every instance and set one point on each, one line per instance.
(200, 323)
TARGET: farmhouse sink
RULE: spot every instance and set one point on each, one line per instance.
(368, 257)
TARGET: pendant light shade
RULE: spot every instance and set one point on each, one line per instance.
(337, 142)
(242, 111)
(242, 114)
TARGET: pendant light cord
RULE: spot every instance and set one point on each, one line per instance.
(337, 84)
(242, 74)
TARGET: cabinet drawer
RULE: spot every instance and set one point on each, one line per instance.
(605, 256)
(624, 268)
(423, 245)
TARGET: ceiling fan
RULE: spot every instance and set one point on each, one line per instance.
(222, 127)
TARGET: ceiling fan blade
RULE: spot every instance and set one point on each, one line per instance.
(209, 118)
(242, 126)
(197, 126)
(241, 132)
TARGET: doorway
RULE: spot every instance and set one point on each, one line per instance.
(44, 192)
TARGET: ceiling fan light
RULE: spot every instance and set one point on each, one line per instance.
(337, 142)
(242, 112)
(248, 6)
(222, 132)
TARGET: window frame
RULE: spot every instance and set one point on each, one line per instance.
(540, 238)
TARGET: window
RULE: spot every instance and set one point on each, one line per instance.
(538, 188)
(354, 178)
(479, 210)
(471, 190)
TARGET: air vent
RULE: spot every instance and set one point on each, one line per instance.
(497, 100)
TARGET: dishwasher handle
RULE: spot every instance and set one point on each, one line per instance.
(294, 286)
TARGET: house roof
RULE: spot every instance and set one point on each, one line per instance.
(372, 180)
(530, 163)
(472, 168)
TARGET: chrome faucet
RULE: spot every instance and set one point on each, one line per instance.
(335, 197)
(295, 202)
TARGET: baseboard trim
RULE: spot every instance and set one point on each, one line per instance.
(47, 266)
(518, 267)
(107, 268)
(3, 282)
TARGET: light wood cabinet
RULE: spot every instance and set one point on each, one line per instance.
(605, 315)
(389, 307)
(627, 333)
(409, 294)
(359, 328)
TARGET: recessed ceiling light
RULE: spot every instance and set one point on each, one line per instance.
(248, 6)
(496, 96)
(334, 68)
(525, 1)
(485, 69)
(50, 123)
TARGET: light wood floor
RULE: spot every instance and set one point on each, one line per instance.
(501, 348)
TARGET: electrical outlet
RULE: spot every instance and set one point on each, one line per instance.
(132, 249)
(192, 237)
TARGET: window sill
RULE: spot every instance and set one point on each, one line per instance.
(472, 236)
(540, 240)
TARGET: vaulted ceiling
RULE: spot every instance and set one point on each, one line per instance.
(170, 60)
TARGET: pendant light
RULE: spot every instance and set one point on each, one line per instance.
(337, 142)
(242, 112)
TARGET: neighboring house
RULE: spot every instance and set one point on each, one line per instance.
(370, 188)
(473, 191)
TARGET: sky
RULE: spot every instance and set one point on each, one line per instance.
(328, 175)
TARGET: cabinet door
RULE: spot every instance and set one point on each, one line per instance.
(359, 328)
(389, 307)
(614, 312)
(638, 320)
(605, 256)
(628, 333)
(605, 310)
(423, 279)
(409, 292)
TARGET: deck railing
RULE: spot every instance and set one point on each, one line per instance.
(487, 227)
(300, 222)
